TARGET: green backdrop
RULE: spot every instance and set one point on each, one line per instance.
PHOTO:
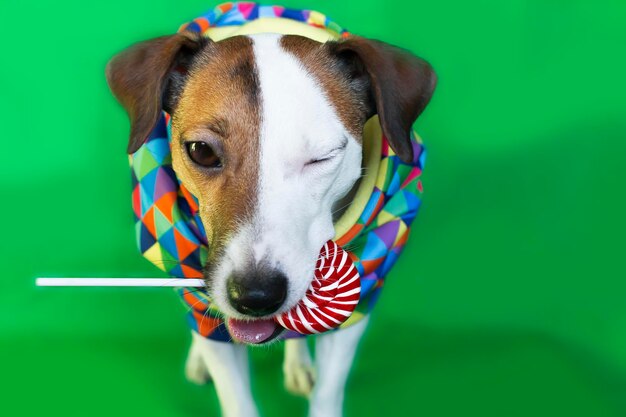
(508, 301)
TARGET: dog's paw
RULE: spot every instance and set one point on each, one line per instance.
(299, 378)
(195, 369)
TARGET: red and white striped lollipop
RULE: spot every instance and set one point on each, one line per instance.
(331, 297)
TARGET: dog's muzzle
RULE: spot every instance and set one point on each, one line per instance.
(329, 301)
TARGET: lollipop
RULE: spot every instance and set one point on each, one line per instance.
(332, 296)
(329, 301)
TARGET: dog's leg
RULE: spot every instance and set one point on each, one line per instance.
(227, 364)
(195, 369)
(334, 353)
(298, 367)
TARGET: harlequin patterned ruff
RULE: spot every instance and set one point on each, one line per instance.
(170, 232)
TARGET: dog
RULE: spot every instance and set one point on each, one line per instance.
(267, 134)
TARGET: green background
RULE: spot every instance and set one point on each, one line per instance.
(508, 301)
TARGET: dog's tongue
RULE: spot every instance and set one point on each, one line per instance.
(256, 331)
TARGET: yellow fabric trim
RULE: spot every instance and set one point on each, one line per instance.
(381, 175)
(372, 142)
(353, 319)
(272, 25)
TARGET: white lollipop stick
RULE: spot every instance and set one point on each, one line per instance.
(119, 282)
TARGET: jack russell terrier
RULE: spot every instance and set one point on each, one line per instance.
(257, 135)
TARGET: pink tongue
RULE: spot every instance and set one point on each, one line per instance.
(257, 331)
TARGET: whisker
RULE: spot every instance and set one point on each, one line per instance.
(191, 307)
(340, 208)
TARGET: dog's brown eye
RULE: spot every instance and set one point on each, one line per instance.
(203, 154)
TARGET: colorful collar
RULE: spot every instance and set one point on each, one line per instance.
(373, 230)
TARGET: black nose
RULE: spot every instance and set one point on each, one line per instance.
(257, 293)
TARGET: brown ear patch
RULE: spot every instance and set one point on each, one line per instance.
(139, 76)
(349, 102)
(401, 86)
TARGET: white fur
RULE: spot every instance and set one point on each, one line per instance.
(292, 222)
(334, 353)
(298, 367)
(227, 364)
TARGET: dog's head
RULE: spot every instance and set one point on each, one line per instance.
(266, 133)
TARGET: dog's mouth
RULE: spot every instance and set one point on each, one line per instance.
(254, 332)
(330, 299)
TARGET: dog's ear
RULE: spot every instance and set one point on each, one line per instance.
(397, 84)
(148, 77)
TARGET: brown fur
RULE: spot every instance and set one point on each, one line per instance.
(318, 61)
(401, 86)
(139, 75)
(220, 102)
